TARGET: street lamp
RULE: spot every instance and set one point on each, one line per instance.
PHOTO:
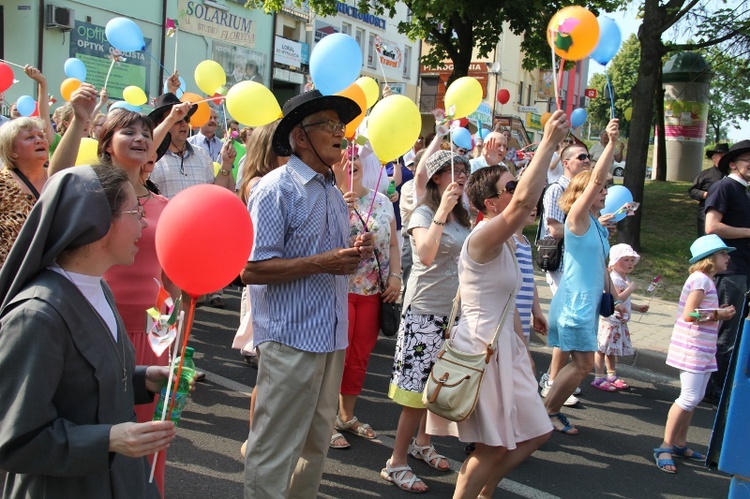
(497, 72)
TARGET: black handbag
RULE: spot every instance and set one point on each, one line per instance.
(390, 318)
(607, 305)
(549, 253)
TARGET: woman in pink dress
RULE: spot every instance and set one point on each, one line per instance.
(509, 422)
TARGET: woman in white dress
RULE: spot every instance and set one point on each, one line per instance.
(509, 422)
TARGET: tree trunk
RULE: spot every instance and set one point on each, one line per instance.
(661, 140)
(643, 110)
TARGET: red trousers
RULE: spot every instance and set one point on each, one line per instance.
(364, 325)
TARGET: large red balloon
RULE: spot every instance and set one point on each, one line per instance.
(204, 238)
(503, 96)
(6, 77)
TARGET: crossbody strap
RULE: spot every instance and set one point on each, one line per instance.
(511, 299)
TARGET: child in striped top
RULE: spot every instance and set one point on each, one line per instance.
(692, 348)
(527, 299)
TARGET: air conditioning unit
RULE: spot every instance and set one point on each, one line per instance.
(60, 18)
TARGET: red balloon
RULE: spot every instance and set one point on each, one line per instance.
(6, 77)
(503, 96)
(204, 238)
(463, 122)
(36, 110)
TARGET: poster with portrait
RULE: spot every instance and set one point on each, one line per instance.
(241, 63)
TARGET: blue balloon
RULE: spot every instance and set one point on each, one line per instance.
(610, 40)
(124, 35)
(462, 138)
(26, 105)
(578, 117)
(180, 90)
(335, 63)
(124, 105)
(482, 133)
(617, 196)
(75, 68)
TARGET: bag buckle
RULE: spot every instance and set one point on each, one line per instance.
(440, 383)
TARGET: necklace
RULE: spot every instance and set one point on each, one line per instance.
(107, 333)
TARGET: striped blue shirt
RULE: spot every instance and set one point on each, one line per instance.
(296, 213)
(525, 296)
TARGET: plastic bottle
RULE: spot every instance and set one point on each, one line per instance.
(391, 189)
(183, 389)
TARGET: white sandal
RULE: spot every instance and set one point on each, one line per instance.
(361, 430)
(396, 476)
(428, 454)
(335, 436)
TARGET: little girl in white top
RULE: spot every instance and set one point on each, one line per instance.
(614, 336)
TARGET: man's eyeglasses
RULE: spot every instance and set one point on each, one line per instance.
(583, 157)
(139, 212)
(461, 151)
(510, 188)
(186, 119)
(328, 125)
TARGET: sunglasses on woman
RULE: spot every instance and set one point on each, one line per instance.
(510, 188)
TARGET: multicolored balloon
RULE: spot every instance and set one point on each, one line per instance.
(573, 32)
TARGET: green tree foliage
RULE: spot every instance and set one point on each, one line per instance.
(725, 24)
(623, 73)
(729, 94)
(455, 27)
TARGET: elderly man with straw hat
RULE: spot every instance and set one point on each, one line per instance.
(298, 271)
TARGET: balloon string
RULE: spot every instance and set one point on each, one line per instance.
(453, 175)
(611, 97)
(226, 122)
(106, 80)
(349, 171)
(11, 63)
(157, 60)
(374, 195)
(559, 83)
(554, 69)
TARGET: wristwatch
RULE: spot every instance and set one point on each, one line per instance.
(224, 172)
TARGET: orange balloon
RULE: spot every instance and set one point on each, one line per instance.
(355, 93)
(202, 114)
(545, 118)
(68, 86)
(573, 32)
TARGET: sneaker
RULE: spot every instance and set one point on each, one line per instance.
(577, 391)
(545, 389)
(543, 381)
(571, 401)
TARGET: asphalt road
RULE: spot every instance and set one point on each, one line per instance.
(611, 457)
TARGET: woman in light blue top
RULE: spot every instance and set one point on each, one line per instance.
(574, 309)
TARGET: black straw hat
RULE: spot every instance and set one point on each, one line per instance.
(740, 147)
(301, 106)
(721, 148)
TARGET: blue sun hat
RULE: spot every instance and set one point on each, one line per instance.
(706, 246)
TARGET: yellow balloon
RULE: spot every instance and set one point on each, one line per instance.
(393, 126)
(465, 94)
(573, 32)
(209, 76)
(628, 113)
(545, 118)
(370, 88)
(134, 96)
(87, 152)
(252, 104)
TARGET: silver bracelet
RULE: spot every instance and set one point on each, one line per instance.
(400, 277)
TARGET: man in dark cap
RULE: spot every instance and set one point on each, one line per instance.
(704, 180)
(184, 165)
(298, 270)
(727, 209)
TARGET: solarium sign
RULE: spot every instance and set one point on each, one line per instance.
(201, 19)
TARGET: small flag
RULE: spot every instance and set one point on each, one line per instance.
(171, 26)
(654, 284)
(52, 99)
